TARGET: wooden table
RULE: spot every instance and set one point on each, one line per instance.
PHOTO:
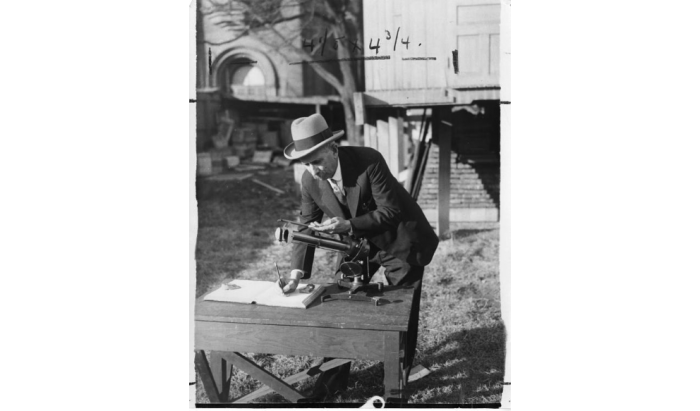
(341, 329)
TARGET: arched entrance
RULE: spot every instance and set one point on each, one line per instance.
(245, 72)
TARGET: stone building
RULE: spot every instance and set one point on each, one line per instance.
(247, 72)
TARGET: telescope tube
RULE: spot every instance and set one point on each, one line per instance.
(321, 242)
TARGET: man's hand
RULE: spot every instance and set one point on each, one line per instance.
(335, 225)
(293, 282)
(291, 286)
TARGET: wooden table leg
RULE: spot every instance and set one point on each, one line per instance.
(205, 375)
(402, 355)
(393, 372)
(221, 371)
(252, 369)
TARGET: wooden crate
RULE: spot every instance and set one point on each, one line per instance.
(243, 135)
(244, 150)
(203, 164)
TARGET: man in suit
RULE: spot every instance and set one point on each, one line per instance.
(355, 189)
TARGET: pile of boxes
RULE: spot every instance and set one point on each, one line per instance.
(248, 142)
(243, 142)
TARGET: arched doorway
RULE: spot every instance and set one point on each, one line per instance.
(249, 76)
(243, 72)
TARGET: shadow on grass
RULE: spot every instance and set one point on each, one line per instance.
(471, 230)
(468, 232)
(475, 377)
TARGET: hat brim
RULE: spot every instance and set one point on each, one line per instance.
(293, 154)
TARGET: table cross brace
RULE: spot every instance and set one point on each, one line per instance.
(294, 379)
(271, 382)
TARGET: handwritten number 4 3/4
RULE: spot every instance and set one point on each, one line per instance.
(309, 43)
(388, 37)
(376, 47)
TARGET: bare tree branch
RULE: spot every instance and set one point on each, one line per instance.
(214, 43)
(334, 16)
(305, 56)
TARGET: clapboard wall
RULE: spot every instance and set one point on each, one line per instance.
(432, 28)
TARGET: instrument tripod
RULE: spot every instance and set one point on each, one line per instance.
(355, 280)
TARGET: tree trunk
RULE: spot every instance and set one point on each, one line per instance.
(348, 90)
(353, 131)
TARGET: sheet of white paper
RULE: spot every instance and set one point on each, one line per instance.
(260, 292)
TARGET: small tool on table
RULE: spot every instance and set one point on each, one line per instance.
(280, 281)
(306, 289)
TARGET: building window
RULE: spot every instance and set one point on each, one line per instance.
(248, 76)
(247, 80)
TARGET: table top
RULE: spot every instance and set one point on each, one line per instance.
(391, 315)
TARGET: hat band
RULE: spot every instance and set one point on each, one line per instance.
(308, 142)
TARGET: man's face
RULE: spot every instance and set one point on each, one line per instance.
(321, 164)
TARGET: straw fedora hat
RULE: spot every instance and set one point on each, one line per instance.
(309, 134)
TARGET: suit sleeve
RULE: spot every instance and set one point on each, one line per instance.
(384, 191)
(302, 255)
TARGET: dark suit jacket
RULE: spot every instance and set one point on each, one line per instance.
(381, 210)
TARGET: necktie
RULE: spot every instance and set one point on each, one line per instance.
(339, 193)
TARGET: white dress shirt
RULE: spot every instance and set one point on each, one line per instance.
(338, 177)
(337, 186)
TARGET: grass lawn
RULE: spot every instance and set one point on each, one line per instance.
(461, 336)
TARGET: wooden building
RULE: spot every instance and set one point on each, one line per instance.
(431, 104)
